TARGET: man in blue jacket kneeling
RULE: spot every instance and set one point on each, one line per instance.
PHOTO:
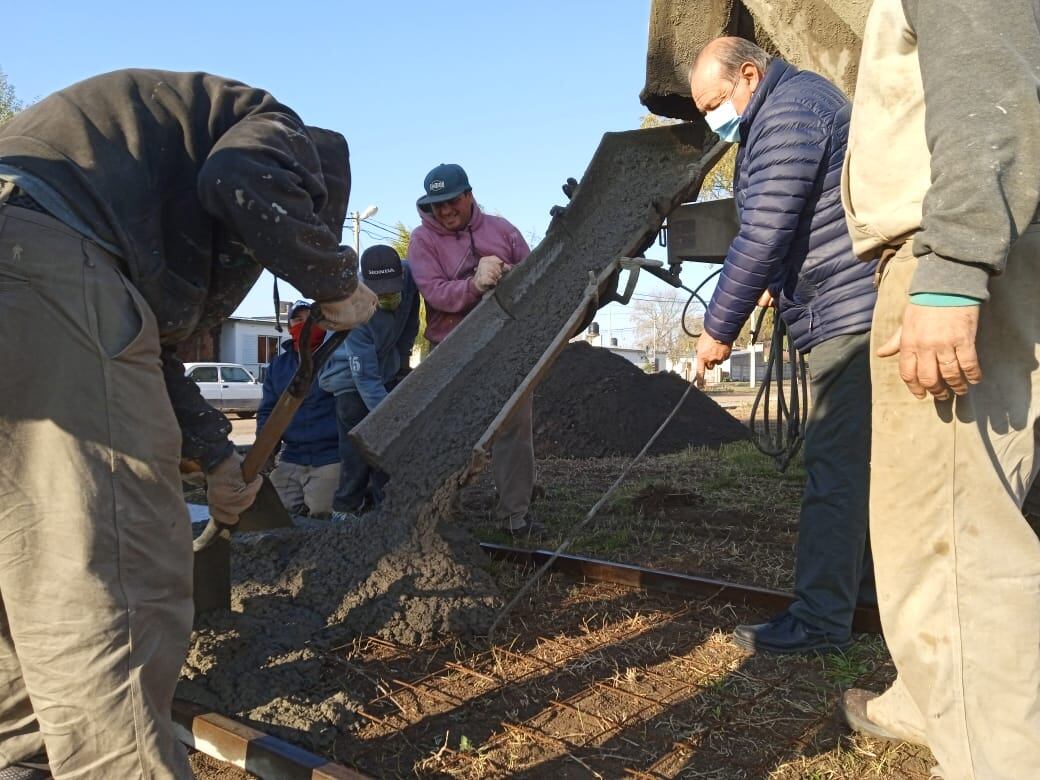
(365, 368)
(793, 247)
(307, 471)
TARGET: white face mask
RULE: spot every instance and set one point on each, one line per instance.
(724, 121)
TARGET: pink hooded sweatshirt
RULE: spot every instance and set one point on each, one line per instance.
(444, 261)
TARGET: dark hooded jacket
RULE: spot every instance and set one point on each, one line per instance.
(793, 238)
(201, 182)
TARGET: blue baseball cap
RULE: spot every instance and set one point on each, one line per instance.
(445, 182)
(302, 303)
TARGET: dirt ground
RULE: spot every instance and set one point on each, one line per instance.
(208, 768)
(592, 680)
(600, 681)
(595, 404)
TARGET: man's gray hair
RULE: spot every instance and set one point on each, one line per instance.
(732, 53)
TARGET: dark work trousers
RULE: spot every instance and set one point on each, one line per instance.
(355, 475)
(833, 566)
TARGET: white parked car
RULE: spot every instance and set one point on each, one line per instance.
(227, 386)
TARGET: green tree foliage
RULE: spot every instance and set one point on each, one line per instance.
(653, 120)
(765, 335)
(719, 182)
(9, 102)
(401, 242)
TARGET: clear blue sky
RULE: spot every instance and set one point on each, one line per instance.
(519, 93)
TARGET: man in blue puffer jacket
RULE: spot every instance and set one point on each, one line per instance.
(793, 247)
(308, 464)
(363, 371)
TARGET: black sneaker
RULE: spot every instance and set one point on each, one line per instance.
(530, 530)
(787, 635)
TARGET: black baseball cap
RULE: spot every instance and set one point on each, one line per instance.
(445, 182)
(381, 270)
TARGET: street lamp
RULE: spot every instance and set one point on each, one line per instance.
(357, 217)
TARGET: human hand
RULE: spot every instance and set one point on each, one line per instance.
(489, 272)
(710, 353)
(765, 300)
(936, 348)
(346, 313)
(227, 494)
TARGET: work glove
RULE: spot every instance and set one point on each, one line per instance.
(346, 313)
(489, 271)
(227, 493)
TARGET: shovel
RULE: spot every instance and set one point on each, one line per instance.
(267, 510)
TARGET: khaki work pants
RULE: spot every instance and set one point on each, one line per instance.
(309, 488)
(958, 567)
(512, 465)
(95, 543)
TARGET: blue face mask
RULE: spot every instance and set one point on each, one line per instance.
(725, 122)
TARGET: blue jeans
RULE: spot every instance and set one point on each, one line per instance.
(360, 485)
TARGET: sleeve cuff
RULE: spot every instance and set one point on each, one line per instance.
(935, 274)
(216, 455)
(943, 299)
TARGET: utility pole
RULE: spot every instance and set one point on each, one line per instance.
(357, 217)
(654, 361)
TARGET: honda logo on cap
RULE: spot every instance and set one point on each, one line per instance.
(436, 185)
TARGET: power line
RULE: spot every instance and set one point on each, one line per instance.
(391, 228)
(376, 226)
(376, 237)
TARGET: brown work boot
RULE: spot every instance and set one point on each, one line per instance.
(854, 709)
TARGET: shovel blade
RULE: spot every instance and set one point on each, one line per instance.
(212, 576)
(267, 511)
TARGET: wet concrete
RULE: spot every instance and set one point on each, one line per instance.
(297, 593)
(819, 35)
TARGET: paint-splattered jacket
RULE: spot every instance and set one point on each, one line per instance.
(200, 182)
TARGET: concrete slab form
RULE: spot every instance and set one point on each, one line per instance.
(254, 751)
(865, 619)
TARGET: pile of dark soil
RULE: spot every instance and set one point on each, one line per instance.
(594, 404)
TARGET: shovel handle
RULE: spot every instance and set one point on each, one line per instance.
(293, 396)
(210, 533)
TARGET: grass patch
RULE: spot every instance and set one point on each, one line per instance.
(861, 659)
(610, 541)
